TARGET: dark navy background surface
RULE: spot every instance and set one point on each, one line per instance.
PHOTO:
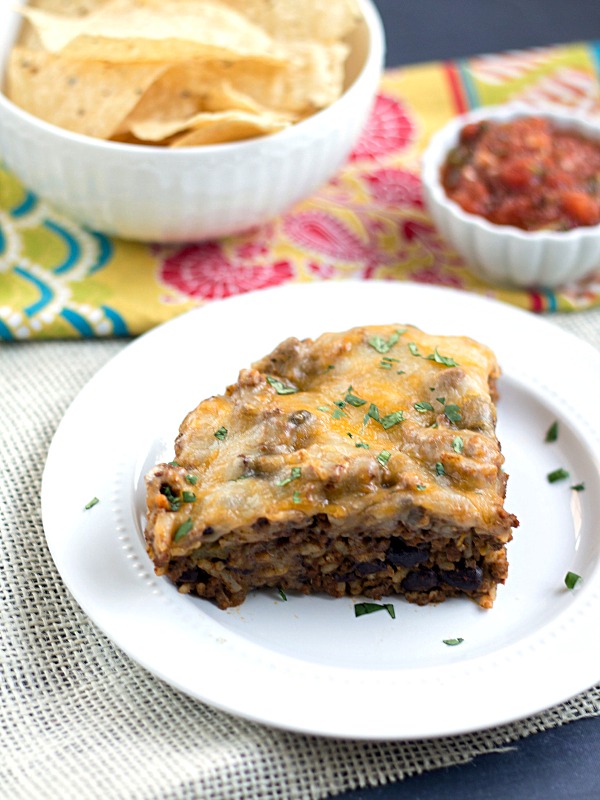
(434, 30)
(563, 763)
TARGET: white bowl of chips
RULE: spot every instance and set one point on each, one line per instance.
(207, 122)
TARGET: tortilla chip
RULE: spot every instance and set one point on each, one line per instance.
(129, 31)
(187, 89)
(223, 96)
(310, 80)
(85, 97)
(289, 20)
(70, 8)
(210, 128)
(171, 97)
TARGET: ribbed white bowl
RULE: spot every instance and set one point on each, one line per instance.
(169, 195)
(503, 254)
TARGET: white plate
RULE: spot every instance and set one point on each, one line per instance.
(308, 664)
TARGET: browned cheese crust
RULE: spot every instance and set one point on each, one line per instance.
(360, 463)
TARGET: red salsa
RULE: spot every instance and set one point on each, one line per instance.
(527, 172)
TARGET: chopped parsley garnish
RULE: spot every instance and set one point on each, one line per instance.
(221, 433)
(439, 359)
(282, 594)
(384, 457)
(296, 497)
(193, 479)
(435, 356)
(383, 346)
(421, 487)
(387, 421)
(452, 412)
(373, 412)
(458, 444)
(94, 501)
(441, 400)
(173, 464)
(559, 474)
(385, 365)
(572, 579)
(360, 609)
(353, 400)
(392, 419)
(578, 487)
(295, 472)
(453, 642)
(379, 344)
(337, 412)
(174, 499)
(552, 432)
(358, 444)
(439, 469)
(423, 406)
(188, 497)
(183, 529)
(280, 387)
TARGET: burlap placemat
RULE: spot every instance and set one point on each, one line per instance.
(78, 719)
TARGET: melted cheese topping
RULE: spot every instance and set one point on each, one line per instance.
(368, 426)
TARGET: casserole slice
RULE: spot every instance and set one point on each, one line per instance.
(359, 463)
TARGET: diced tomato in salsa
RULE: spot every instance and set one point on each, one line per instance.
(526, 172)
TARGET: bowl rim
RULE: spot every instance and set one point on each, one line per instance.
(374, 61)
(447, 136)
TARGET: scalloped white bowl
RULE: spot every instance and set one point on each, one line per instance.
(503, 254)
(174, 195)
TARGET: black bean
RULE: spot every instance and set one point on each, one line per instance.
(466, 578)
(342, 577)
(421, 580)
(368, 568)
(401, 554)
(193, 575)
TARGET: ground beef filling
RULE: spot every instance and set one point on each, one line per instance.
(424, 567)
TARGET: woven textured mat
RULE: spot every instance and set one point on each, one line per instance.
(78, 719)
